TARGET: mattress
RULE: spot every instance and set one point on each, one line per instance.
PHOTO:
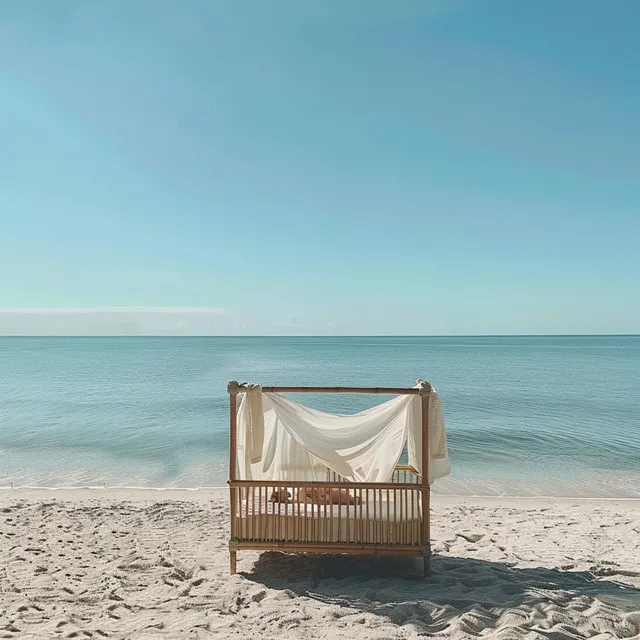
(379, 522)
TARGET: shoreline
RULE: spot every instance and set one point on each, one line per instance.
(608, 485)
(452, 486)
(199, 494)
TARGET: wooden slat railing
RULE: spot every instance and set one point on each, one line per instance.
(379, 513)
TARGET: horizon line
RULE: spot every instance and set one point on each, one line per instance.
(363, 335)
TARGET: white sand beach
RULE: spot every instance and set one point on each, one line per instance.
(145, 564)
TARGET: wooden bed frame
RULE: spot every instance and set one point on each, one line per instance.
(389, 518)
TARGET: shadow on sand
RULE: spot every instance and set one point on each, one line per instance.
(469, 594)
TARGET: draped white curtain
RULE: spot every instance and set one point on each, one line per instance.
(294, 442)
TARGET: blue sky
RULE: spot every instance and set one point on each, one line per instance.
(339, 167)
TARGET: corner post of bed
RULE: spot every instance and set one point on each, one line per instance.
(426, 488)
(233, 389)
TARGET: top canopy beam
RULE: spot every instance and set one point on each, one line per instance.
(234, 387)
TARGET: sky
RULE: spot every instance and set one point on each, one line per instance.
(338, 167)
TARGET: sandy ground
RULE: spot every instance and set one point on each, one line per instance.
(148, 564)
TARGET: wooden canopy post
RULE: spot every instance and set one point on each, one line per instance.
(426, 488)
(233, 472)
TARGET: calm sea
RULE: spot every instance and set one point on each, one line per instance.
(525, 415)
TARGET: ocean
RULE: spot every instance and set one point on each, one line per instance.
(524, 415)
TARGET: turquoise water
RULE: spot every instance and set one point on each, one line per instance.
(553, 413)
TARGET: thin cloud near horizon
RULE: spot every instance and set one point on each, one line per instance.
(85, 310)
(139, 320)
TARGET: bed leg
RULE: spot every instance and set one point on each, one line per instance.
(426, 563)
(233, 558)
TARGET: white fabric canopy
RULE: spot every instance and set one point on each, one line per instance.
(294, 442)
